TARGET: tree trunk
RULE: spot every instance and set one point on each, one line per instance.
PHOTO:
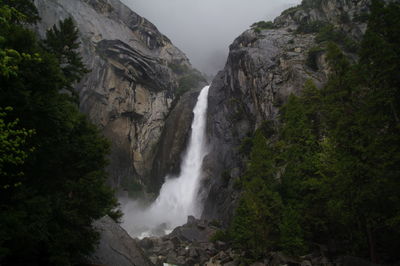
(371, 244)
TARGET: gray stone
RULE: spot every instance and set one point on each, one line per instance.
(262, 70)
(116, 247)
(146, 243)
(131, 88)
(191, 220)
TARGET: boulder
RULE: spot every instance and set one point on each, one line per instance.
(116, 247)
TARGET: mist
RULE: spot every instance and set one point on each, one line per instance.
(204, 29)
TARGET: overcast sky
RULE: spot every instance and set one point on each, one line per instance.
(204, 29)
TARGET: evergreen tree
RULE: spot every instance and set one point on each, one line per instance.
(57, 190)
(62, 41)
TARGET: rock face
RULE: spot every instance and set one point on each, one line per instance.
(263, 68)
(116, 247)
(188, 244)
(132, 86)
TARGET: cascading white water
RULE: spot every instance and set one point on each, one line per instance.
(179, 195)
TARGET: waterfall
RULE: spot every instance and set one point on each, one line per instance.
(178, 196)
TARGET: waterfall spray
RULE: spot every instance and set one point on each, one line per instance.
(179, 195)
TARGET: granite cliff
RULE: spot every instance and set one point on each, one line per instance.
(136, 78)
(266, 64)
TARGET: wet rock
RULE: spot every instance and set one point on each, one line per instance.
(186, 245)
(146, 243)
(191, 220)
(278, 259)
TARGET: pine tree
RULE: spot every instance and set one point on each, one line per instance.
(57, 190)
(62, 41)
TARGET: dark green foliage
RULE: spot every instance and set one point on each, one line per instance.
(311, 4)
(189, 81)
(219, 235)
(133, 187)
(179, 69)
(26, 9)
(291, 232)
(52, 159)
(255, 225)
(13, 151)
(188, 78)
(215, 223)
(62, 42)
(262, 25)
(329, 34)
(291, 10)
(330, 173)
(312, 57)
(246, 146)
(310, 26)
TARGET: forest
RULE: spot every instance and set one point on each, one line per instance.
(52, 159)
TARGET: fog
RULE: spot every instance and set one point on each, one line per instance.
(204, 29)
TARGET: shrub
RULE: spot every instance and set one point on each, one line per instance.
(220, 235)
(262, 25)
(310, 26)
(179, 68)
(312, 57)
(189, 81)
(291, 10)
(310, 4)
(329, 34)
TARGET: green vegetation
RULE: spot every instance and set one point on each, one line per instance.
(291, 10)
(178, 68)
(52, 160)
(219, 235)
(262, 25)
(329, 34)
(310, 27)
(189, 81)
(312, 57)
(311, 4)
(13, 151)
(188, 78)
(134, 188)
(330, 171)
